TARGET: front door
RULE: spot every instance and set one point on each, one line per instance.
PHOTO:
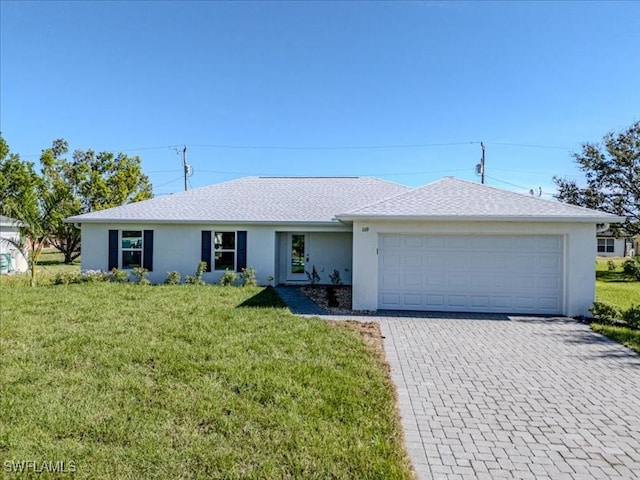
(298, 257)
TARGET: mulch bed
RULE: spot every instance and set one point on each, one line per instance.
(318, 294)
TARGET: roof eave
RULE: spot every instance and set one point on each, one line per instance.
(76, 220)
(481, 218)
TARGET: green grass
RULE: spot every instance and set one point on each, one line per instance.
(50, 264)
(179, 381)
(614, 287)
(627, 337)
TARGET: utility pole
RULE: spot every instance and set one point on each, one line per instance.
(186, 167)
(481, 163)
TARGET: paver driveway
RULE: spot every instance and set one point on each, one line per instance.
(514, 397)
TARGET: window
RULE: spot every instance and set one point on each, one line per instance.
(131, 249)
(224, 244)
(606, 245)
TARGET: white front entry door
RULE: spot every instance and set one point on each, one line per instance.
(298, 257)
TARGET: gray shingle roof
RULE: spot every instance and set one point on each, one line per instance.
(452, 198)
(254, 200)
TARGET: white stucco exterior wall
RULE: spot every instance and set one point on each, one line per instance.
(579, 254)
(178, 247)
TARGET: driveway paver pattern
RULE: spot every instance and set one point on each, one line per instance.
(514, 397)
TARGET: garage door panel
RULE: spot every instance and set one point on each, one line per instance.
(549, 244)
(457, 301)
(490, 273)
(412, 300)
(391, 241)
(391, 260)
(412, 261)
(480, 301)
(391, 280)
(390, 300)
(412, 242)
(458, 280)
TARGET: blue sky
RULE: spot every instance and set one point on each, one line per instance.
(282, 88)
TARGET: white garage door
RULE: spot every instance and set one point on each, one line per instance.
(509, 274)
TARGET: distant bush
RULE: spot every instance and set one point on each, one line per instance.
(611, 265)
(173, 278)
(228, 277)
(248, 276)
(631, 268)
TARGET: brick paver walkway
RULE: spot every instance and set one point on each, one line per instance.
(525, 398)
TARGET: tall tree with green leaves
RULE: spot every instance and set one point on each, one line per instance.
(24, 198)
(612, 174)
(88, 182)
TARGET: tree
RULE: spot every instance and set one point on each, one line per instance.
(612, 173)
(88, 182)
(24, 198)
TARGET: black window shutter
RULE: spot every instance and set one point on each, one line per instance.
(147, 254)
(205, 252)
(113, 249)
(241, 260)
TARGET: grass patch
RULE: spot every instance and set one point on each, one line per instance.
(626, 336)
(614, 287)
(179, 382)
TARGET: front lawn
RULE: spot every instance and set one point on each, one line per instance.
(130, 381)
(613, 286)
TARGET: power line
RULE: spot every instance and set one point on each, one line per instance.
(334, 147)
(528, 145)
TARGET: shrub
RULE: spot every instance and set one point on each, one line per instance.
(335, 277)
(119, 276)
(67, 278)
(197, 278)
(248, 276)
(604, 312)
(313, 277)
(140, 276)
(228, 277)
(332, 299)
(173, 278)
(631, 268)
(95, 276)
(611, 265)
(631, 317)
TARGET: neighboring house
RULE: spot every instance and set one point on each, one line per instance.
(610, 244)
(12, 258)
(451, 245)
